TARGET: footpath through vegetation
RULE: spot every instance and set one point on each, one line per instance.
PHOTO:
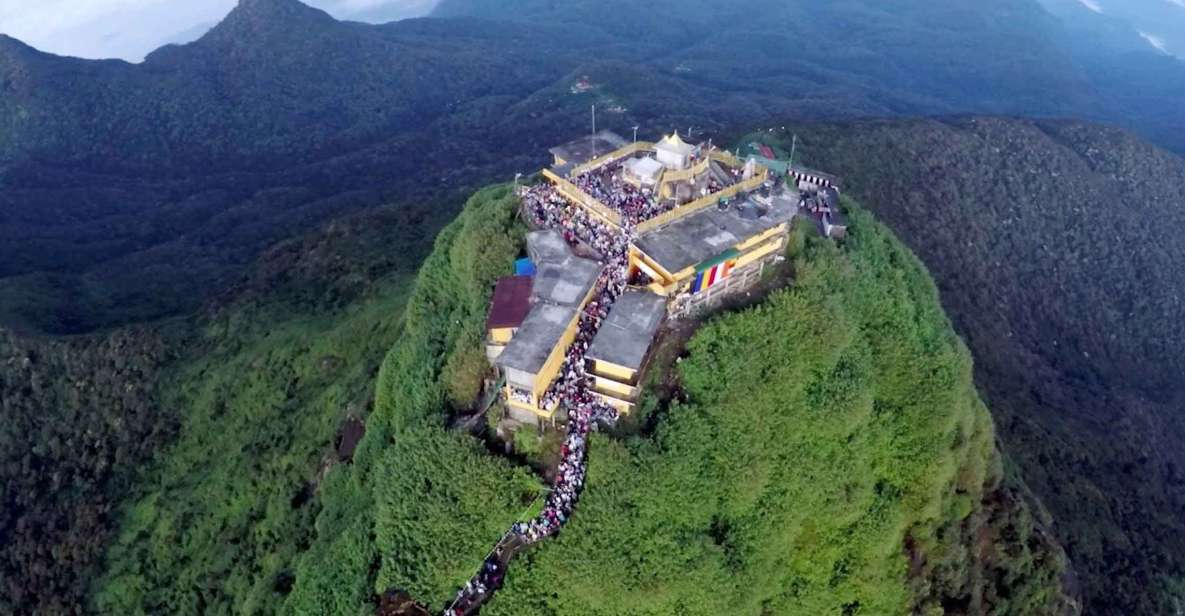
(550, 210)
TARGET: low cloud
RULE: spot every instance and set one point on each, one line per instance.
(1093, 5)
(1155, 41)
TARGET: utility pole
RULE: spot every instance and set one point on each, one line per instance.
(594, 133)
(793, 146)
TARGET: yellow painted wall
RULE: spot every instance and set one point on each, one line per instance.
(624, 407)
(658, 289)
(551, 368)
(762, 237)
(612, 370)
(555, 361)
(502, 335)
(621, 390)
(622, 152)
(690, 208)
(760, 252)
(683, 175)
(530, 408)
(643, 262)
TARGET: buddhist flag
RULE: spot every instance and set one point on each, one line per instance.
(705, 279)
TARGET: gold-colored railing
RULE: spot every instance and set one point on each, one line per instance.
(709, 200)
(574, 194)
(622, 152)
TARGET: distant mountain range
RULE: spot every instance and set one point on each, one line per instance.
(114, 175)
(130, 193)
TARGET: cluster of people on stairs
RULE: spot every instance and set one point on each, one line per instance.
(548, 209)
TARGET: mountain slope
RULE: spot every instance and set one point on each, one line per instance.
(1056, 248)
(131, 192)
(828, 454)
(204, 432)
(828, 482)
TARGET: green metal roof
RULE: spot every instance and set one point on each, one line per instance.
(731, 253)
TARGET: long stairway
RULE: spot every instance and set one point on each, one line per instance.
(548, 209)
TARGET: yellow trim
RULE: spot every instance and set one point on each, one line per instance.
(761, 237)
(624, 406)
(571, 192)
(501, 335)
(613, 371)
(542, 414)
(686, 209)
(643, 262)
(622, 152)
(625, 392)
(759, 253)
(686, 174)
(658, 289)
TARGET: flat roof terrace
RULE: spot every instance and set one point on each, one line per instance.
(561, 277)
(712, 231)
(566, 283)
(540, 333)
(585, 149)
(629, 330)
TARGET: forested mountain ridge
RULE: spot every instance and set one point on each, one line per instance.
(822, 468)
(306, 164)
(210, 427)
(184, 168)
(1056, 248)
(240, 507)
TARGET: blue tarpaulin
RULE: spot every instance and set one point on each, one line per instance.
(524, 267)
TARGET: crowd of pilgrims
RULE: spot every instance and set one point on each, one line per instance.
(549, 209)
(606, 185)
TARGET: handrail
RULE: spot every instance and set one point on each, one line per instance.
(622, 152)
(578, 196)
(725, 156)
(703, 202)
(681, 175)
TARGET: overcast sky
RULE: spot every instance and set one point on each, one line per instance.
(129, 29)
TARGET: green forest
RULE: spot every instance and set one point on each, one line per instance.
(846, 471)
(830, 456)
(820, 452)
(1056, 246)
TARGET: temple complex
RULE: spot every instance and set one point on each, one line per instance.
(626, 237)
(698, 225)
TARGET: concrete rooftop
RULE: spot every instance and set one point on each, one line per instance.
(561, 277)
(549, 245)
(705, 234)
(587, 148)
(565, 283)
(539, 334)
(627, 333)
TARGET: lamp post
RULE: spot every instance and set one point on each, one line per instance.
(635, 134)
(516, 178)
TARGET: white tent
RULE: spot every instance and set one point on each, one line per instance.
(644, 170)
(673, 152)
